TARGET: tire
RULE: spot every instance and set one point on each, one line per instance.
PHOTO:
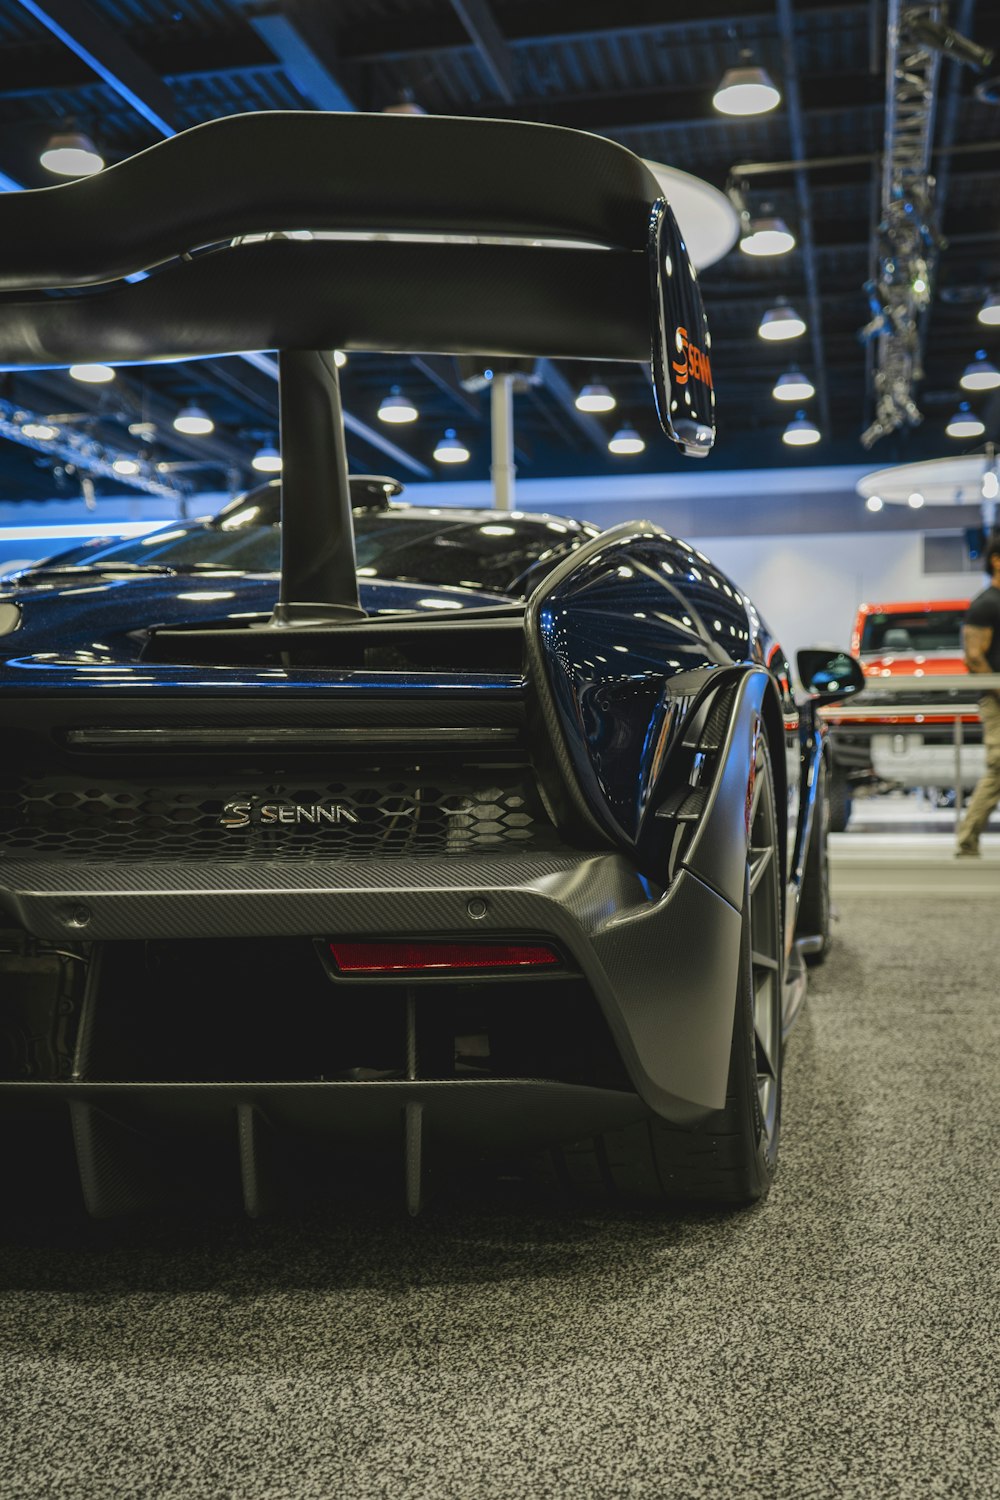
(731, 1157)
(840, 800)
(813, 921)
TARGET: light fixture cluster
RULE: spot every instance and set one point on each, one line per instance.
(595, 396)
(980, 374)
(777, 326)
(398, 409)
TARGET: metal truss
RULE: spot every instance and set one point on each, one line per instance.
(908, 237)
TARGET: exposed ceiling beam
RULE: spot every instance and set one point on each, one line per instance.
(480, 22)
(560, 389)
(440, 369)
(116, 406)
(269, 366)
(553, 21)
(101, 47)
(304, 52)
(661, 108)
(130, 77)
(44, 67)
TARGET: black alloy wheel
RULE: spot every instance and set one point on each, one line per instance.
(731, 1156)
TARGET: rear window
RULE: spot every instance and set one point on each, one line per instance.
(923, 630)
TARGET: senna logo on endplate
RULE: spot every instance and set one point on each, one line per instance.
(694, 362)
(270, 814)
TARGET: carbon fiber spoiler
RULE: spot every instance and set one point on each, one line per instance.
(522, 240)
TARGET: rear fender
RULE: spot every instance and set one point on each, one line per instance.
(629, 700)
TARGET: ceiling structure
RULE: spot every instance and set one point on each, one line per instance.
(129, 72)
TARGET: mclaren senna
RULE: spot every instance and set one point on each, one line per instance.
(296, 865)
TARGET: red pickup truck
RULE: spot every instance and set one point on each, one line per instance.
(904, 739)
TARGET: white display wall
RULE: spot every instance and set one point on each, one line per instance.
(809, 586)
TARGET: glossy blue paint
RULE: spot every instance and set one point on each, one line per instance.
(622, 627)
(88, 631)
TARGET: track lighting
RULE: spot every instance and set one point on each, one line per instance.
(397, 408)
(626, 440)
(42, 432)
(70, 153)
(595, 397)
(800, 432)
(450, 450)
(780, 323)
(746, 91)
(965, 423)
(915, 500)
(125, 466)
(793, 386)
(767, 237)
(874, 502)
(194, 420)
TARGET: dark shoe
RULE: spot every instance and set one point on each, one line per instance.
(965, 851)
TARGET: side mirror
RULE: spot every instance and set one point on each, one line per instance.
(828, 676)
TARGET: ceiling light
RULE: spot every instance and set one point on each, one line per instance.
(626, 440)
(125, 466)
(92, 374)
(980, 374)
(780, 323)
(595, 397)
(800, 432)
(990, 487)
(450, 450)
(339, 358)
(194, 420)
(767, 237)
(69, 153)
(404, 104)
(989, 313)
(267, 460)
(793, 386)
(397, 408)
(42, 432)
(142, 429)
(915, 500)
(746, 91)
(965, 423)
(874, 502)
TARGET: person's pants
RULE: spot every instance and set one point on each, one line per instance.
(987, 793)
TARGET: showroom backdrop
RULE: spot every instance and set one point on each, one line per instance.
(127, 73)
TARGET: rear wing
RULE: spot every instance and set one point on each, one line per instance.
(493, 238)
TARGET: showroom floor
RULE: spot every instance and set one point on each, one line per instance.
(839, 1342)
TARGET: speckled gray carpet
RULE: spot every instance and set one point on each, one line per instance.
(839, 1342)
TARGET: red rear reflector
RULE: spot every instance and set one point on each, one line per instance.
(413, 958)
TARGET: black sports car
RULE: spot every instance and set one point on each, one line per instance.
(331, 859)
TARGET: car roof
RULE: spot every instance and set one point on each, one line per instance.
(912, 606)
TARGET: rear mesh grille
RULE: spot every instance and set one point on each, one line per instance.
(412, 814)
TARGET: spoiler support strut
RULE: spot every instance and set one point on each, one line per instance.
(319, 584)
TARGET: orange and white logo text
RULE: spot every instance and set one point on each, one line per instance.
(693, 362)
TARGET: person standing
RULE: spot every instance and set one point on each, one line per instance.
(981, 643)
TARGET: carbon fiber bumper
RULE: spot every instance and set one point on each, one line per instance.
(663, 967)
